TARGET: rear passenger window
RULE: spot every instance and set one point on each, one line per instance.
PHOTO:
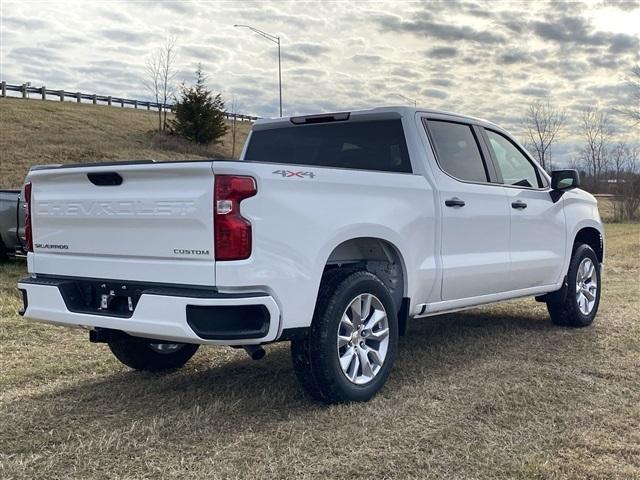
(457, 151)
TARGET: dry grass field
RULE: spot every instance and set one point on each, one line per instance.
(35, 132)
(496, 392)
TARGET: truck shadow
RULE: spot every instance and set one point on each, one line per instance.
(221, 387)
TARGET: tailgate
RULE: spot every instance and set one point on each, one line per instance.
(140, 221)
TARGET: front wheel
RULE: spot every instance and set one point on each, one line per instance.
(151, 356)
(352, 344)
(580, 305)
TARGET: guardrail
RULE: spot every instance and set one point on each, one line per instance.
(108, 100)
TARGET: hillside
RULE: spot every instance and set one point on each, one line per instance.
(35, 132)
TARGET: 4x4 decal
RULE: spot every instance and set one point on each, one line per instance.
(298, 173)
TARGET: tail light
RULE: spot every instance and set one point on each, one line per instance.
(28, 231)
(232, 230)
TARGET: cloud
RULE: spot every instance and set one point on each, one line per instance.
(115, 16)
(250, 92)
(127, 36)
(422, 25)
(434, 93)
(567, 68)
(534, 91)
(359, 58)
(51, 77)
(514, 56)
(24, 23)
(68, 40)
(202, 52)
(309, 49)
(35, 53)
(289, 56)
(578, 31)
(138, 52)
(181, 8)
(441, 82)
(262, 14)
(442, 52)
(300, 53)
(404, 72)
(607, 61)
(623, 43)
(180, 30)
(114, 75)
(626, 5)
(312, 72)
(611, 91)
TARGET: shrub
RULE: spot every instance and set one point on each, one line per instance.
(199, 115)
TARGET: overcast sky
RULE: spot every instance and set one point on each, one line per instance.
(487, 59)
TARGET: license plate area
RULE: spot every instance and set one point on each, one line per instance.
(101, 297)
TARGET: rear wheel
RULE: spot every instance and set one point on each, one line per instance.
(351, 347)
(579, 306)
(3, 251)
(150, 356)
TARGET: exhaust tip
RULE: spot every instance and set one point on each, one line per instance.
(256, 352)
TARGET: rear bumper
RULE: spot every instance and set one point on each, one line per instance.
(172, 314)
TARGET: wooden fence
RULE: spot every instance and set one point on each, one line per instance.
(43, 91)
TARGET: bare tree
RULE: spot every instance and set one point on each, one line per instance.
(542, 123)
(620, 155)
(597, 131)
(233, 113)
(168, 74)
(160, 69)
(632, 111)
(576, 163)
(152, 82)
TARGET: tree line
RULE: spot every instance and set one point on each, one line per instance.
(606, 165)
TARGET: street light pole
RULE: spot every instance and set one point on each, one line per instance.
(275, 39)
(280, 76)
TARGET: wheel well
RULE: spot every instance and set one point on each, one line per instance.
(378, 257)
(590, 236)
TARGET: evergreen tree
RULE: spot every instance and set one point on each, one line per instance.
(199, 115)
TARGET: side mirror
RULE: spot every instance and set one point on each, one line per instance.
(565, 179)
(562, 181)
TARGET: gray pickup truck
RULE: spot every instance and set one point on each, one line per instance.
(11, 224)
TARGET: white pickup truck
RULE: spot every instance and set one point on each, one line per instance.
(331, 232)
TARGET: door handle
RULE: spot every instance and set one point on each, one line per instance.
(454, 202)
(519, 205)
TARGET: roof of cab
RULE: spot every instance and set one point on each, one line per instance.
(381, 112)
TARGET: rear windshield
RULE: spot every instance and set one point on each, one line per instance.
(373, 145)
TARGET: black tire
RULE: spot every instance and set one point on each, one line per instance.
(139, 355)
(315, 358)
(3, 251)
(564, 309)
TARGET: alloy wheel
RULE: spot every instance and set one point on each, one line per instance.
(363, 339)
(586, 286)
(165, 348)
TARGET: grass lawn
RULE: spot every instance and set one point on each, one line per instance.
(496, 392)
